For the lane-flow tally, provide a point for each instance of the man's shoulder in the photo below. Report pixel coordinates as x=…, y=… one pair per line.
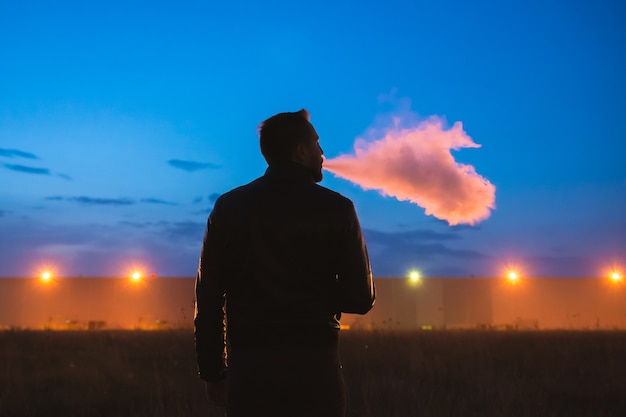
x=259, y=186
x=240, y=191
x=332, y=201
x=234, y=195
x=331, y=195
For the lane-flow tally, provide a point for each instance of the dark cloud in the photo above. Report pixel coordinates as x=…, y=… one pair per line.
x=213, y=197
x=171, y=230
x=190, y=232
x=203, y=212
x=432, y=259
x=456, y=227
x=395, y=253
x=109, y=201
x=390, y=238
x=191, y=166
x=172, y=248
x=27, y=170
x=157, y=201
x=100, y=249
x=12, y=153
x=560, y=265
x=94, y=200
x=136, y=225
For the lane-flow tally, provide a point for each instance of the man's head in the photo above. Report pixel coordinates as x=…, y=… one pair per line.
x=291, y=137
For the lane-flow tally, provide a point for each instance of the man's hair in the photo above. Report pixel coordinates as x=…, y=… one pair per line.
x=280, y=134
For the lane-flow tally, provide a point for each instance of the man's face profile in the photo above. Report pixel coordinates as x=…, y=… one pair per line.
x=310, y=153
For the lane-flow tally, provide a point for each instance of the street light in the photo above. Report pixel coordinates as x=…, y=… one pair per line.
x=513, y=277
x=616, y=277
x=46, y=276
x=415, y=277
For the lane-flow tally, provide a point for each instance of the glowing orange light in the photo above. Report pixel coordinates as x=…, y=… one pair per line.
x=136, y=276
x=46, y=276
x=415, y=276
x=616, y=276
x=513, y=276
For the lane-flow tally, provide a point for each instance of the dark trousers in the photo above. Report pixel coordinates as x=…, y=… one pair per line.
x=293, y=381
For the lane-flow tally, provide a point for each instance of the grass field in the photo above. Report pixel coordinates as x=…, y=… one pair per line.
x=454, y=373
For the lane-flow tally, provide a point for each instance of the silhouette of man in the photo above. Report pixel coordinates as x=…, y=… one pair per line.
x=282, y=258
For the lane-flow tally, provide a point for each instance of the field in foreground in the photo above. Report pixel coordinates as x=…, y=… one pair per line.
x=454, y=373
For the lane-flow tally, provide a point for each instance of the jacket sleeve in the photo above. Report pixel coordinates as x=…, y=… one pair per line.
x=356, y=291
x=209, y=318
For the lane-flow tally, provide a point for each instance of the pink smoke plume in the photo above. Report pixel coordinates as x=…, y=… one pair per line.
x=416, y=165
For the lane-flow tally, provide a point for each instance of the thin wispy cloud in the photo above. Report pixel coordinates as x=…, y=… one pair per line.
x=157, y=201
x=93, y=200
x=64, y=176
x=16, y=153
x=27, y=170
x=191, y=166
x=203, y=212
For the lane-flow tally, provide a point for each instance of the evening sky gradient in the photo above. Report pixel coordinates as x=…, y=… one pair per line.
x=121, y=122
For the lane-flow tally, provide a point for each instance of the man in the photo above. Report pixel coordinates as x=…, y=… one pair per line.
x=282, y=258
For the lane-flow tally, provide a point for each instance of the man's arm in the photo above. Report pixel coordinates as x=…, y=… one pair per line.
x=355, y=284
x=209, y=323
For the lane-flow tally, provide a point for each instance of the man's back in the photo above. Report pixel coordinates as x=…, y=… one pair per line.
x=281, y=243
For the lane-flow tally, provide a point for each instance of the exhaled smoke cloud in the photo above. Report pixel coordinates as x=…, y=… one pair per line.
x=416, y=165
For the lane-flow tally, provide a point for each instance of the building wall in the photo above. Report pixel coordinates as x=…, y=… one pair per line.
x=542, y=303
x=577, y=303
x=113, y=302
x=531, y=303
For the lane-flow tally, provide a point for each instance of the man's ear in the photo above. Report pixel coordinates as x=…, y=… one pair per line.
x=299, y=152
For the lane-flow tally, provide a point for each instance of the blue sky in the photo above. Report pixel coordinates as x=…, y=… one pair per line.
x=120, y=123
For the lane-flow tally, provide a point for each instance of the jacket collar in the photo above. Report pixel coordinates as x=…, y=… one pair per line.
x=289, y=170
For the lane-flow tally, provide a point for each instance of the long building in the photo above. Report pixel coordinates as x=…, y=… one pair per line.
x=429, y=303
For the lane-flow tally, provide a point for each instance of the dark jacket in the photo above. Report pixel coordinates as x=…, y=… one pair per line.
x=288, y=257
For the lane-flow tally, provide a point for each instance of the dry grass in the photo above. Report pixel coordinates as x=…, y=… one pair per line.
x=470, y=373
x=460, y=373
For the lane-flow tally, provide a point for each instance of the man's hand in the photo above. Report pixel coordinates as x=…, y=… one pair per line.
x=216, y=393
